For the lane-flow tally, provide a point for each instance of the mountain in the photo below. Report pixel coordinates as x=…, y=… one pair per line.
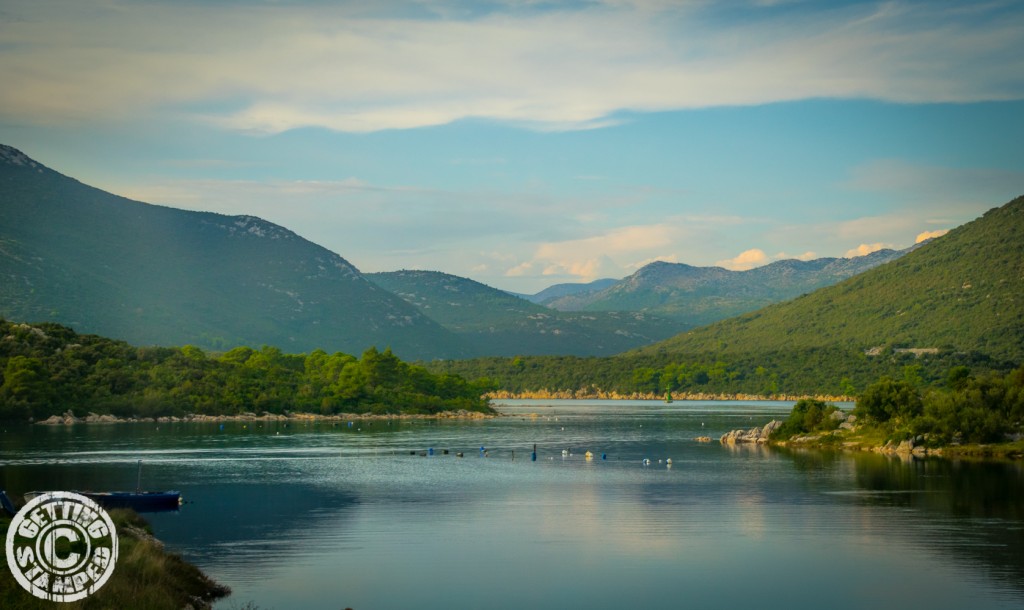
x=696, y=296
x=558, y=291
x=496, y=323
x=963, y=292
x=148, y=274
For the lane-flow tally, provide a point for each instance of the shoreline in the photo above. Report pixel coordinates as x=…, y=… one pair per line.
x=69, y=418
x=602, y=395
x=848, y=440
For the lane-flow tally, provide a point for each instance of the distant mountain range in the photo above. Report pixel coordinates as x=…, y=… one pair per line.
x=961, y=292
x=147, y=274
x=695, y=296
x=496, y=323
x=552, y=293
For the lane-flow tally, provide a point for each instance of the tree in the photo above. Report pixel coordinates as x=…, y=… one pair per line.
x=888, y=400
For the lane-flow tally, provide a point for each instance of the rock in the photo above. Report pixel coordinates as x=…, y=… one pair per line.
x=754, y=435
x=770, y=427
x=838, y=416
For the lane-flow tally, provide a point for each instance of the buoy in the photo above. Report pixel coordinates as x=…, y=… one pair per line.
x=604, y=456
x=459, y=454
x=588, y=455
x=430, y=451
x=646, y=462
x=565, y=452
x=669, y=461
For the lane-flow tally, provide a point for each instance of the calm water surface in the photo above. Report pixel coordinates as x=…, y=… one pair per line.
x=325, y=516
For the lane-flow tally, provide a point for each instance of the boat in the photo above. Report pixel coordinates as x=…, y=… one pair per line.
x=139, y=501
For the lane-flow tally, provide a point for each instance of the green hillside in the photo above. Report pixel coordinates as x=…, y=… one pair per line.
x=495, y=323
x=962, y=292
x=955, y=302
x=147, y=274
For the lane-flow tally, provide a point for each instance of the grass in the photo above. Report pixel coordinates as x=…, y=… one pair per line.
x=146, y=576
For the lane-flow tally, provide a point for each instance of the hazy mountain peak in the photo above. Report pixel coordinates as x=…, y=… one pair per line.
x=12, y=156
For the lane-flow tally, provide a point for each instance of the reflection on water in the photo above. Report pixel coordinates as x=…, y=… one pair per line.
x=325, y=516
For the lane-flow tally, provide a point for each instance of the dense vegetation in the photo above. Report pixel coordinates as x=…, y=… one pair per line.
x=819, y=371
x=969, y=409
x=808, y=416
x=47, y=369
x=964, y=409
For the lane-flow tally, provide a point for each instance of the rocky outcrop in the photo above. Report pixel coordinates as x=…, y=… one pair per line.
x=910, y=447
x=753, y=435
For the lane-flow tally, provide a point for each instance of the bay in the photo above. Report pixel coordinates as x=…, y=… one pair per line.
x=323, y=515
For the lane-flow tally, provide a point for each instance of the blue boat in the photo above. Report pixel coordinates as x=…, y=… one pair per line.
x=139, y=501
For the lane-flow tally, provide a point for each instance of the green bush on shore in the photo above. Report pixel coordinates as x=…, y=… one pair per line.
x=977, y=410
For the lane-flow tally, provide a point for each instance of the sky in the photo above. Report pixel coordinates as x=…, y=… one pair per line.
x=524, y=143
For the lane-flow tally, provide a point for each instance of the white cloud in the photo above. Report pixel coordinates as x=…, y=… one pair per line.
x=598, y=255
x=564, y=68
x=748, y=259
x=929, y=235
x=864, y=249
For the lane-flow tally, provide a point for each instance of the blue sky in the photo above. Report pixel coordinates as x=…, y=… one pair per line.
x=525, y=143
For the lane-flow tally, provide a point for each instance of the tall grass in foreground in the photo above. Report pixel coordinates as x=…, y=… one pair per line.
x=146, y=576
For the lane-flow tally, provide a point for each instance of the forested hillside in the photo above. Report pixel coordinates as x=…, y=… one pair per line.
x=955, y=302
x=154, y=275
x=963, y=292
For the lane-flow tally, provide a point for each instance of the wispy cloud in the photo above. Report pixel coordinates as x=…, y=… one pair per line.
x=355, y=69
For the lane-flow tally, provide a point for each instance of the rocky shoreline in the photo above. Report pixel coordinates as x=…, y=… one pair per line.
x=762, y=436
x=593, y=394
x=69, y=418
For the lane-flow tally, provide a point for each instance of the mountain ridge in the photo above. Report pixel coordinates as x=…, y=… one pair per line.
x=498, y=323
x=961, y=291
x=696, y=296
x=150, y=274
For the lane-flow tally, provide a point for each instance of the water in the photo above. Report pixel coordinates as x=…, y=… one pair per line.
x=324, y=516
